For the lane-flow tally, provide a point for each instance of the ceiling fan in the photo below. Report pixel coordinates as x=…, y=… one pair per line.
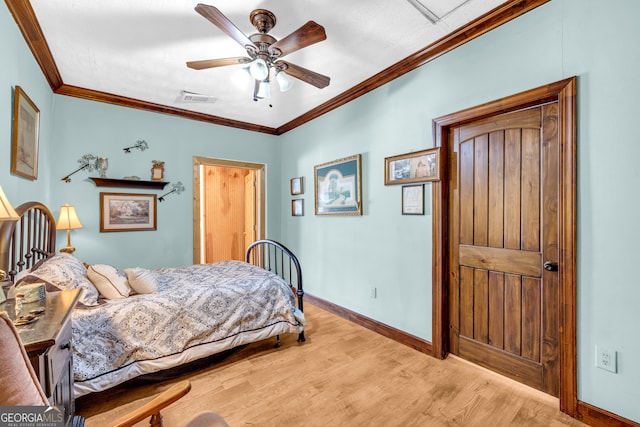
x=264, y=51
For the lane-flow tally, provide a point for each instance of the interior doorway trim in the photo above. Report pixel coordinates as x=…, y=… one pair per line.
x=564, y=92
x=198, y=169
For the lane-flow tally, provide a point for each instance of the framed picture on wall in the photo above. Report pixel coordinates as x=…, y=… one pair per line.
x=25, y=135
x=297, y=186
x=338, y=187
x=413, y=199
x=297, y=207
x=127, y=212
x=421, y=166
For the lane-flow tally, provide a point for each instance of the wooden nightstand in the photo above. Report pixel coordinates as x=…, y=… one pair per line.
x=49, y=346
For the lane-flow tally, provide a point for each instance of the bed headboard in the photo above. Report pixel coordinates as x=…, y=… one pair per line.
x=28, y=240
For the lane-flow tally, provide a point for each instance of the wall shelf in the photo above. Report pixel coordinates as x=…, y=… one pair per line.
x=128, y=183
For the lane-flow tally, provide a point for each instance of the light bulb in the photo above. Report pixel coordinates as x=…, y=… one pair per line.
x=259, y=69
x=284, y=81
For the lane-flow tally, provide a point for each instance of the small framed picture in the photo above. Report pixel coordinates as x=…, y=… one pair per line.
x=297, y=186
x=127, y=212
x=421, y=166
x=413, y=199
x=25, y=135
x=297, y=207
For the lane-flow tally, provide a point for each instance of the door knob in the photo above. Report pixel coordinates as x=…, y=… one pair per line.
x=550, y=266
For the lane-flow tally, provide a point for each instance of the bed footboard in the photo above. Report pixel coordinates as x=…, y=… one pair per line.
x=275, y=257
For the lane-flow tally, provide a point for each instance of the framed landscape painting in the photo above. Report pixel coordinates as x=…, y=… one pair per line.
x=127, y=212
x=338, y=187
x=25, y=135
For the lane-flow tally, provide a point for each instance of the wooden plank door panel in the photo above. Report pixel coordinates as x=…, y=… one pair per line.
x=530, y=190
x=512, y=189
x=496, y=190
x=504, y=308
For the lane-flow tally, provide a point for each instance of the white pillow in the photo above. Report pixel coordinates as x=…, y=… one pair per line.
x=141, y=280
x=64, y=271
x=110, y=282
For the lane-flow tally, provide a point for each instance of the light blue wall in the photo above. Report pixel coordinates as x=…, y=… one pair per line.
x=83, y=127
x=19, y=68
x=344, y=257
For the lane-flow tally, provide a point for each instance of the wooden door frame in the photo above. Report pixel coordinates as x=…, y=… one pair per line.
x=564, y=92
x=198, y=163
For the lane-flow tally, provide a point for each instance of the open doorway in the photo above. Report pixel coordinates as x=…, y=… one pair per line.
x=228, y=208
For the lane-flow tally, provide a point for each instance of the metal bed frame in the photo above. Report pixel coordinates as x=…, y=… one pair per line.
x=275, y=257
x=28, y=240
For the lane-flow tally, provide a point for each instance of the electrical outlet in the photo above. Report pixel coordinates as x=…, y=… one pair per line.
x=374, y=292
x=606, y=359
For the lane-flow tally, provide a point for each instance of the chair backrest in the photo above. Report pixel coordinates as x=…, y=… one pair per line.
x=20, y=386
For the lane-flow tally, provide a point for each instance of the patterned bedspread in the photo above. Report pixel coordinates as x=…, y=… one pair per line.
x=195, y=306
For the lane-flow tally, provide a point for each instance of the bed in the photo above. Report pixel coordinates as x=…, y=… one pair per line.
x=170, y=316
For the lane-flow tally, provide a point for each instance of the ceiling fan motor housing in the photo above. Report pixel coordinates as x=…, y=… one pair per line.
x=263, y=20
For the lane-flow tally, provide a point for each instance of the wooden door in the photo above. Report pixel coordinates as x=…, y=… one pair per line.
x=249, y=208
x=503, y=248
x=224, y=213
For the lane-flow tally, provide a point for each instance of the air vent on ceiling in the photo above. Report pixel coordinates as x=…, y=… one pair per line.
x=196, y=98
x=425, y=11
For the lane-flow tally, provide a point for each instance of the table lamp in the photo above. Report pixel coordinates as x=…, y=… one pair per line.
x=6, y=210
x=68, y=220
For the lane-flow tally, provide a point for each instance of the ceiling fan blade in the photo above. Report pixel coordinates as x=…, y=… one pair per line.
x=222, y=22
x=304, y=36
x=212, y=63
x=307, y=76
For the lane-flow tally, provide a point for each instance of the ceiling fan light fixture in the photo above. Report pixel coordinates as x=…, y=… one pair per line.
x=264, y=90
x=284, y=81
x=242, y=77
x=259, y=69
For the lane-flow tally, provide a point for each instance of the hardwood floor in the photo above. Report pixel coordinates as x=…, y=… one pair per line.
x=344, y=375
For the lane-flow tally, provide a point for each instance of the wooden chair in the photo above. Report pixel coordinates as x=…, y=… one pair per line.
x=20, y=386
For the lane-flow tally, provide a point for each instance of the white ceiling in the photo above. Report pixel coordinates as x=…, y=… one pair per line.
x=138, y=48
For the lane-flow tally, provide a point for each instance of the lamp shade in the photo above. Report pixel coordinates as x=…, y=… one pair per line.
x=259, y=69
x=264, y=90
x=68, y=219
x=6, y=210
x=284, y=81
x=242, y=78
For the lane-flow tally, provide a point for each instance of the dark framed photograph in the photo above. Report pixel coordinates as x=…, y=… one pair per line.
x=297, y=207
x=127, y=212
x=421, y=166
x=25, y=135
x=338, y=187
x=297, y=186
x=413, y=199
